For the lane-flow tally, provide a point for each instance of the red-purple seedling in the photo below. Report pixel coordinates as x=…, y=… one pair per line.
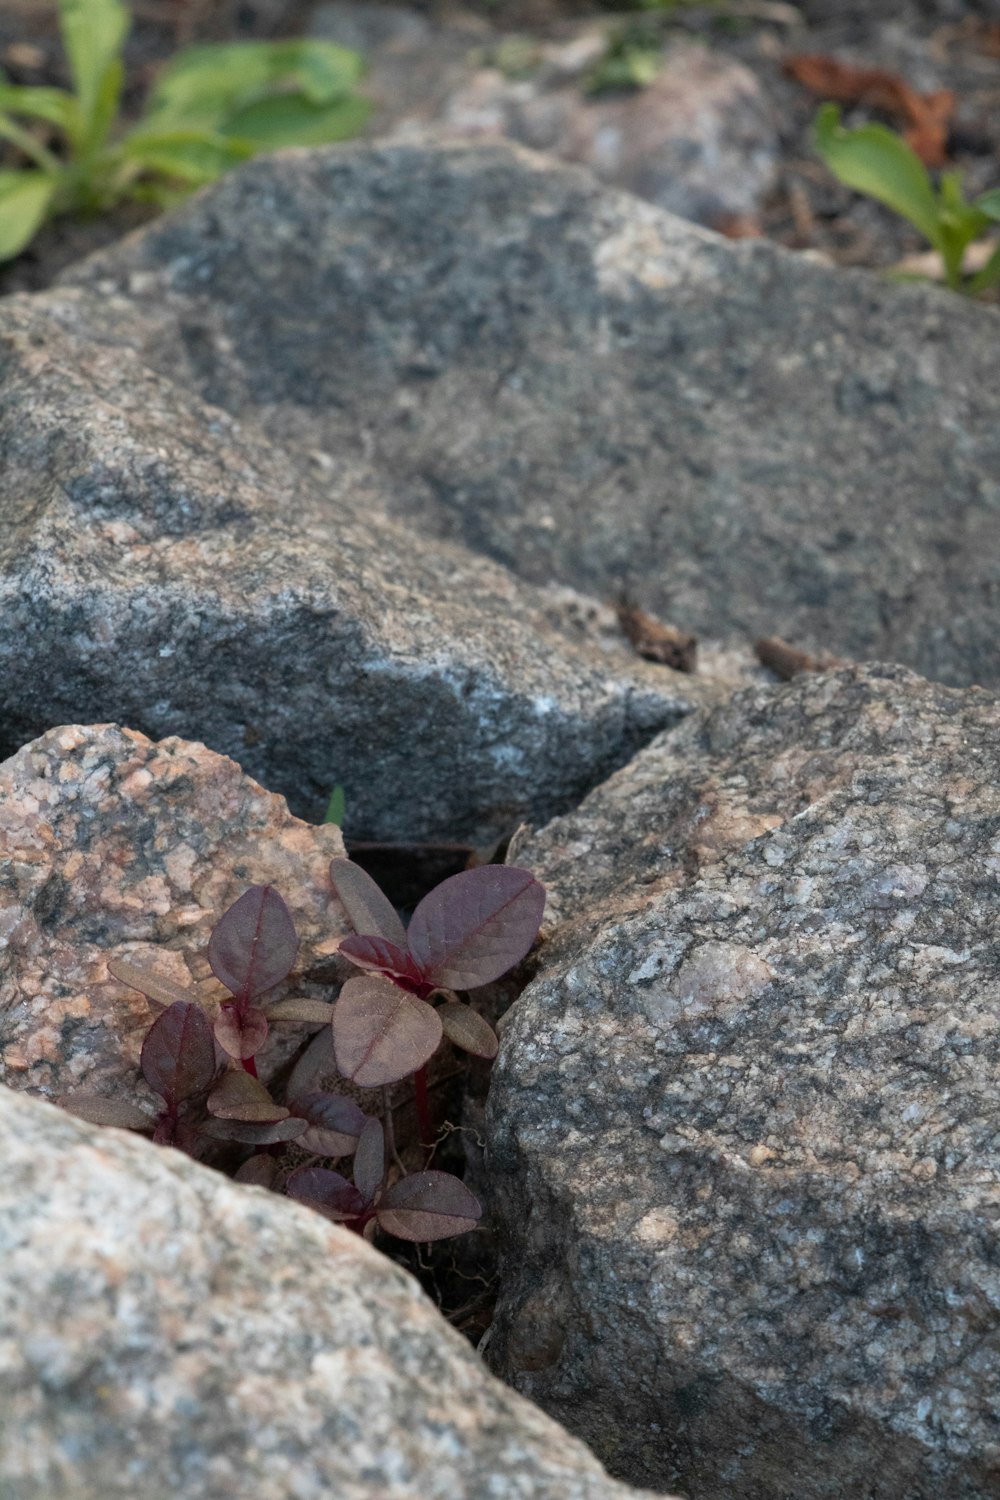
x=468, y=931
x=422, y=1206
x=252, y=948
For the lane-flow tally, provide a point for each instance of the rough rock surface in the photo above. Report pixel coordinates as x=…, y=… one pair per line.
x=114, y=847
x=745, y=1120
x=166, y=1333
x=586, y=388
x=163, y=567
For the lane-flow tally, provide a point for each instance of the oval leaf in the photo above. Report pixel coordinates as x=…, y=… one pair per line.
x=381, y=1033
x=466, y=1028
x=335, y=1123
x=178, y=1055
x=298, y=1010
x=254, y=1133
x=258, y=1171
x=873, y=159
x=238, y=1096
x=369, y=1160
x=476, y=925
x=240, y=1035
x=253, y=946
x=25, y=198
x=325, y=1191
x=98, y=1110
x=383, y=956
x=428, y=1206
x=370, y=912
x=316, y=1064
x=154, y=986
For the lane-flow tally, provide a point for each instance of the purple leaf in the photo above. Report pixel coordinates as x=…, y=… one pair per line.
x=238, y=1096
x=154, y=986
x=369, y=1160
x=384, y=957
x=368, y=910
x=298, y=1010
x=475, y=926
x=325, y=1191
x=240, y=1035
x=381, y=1033
x=253, y=945
x=466, y=1028
x=335, y=1123
x=258, y=1171
x=428, y=1206
x=255, y=1132
x=178, y=1055
x=101, y=1111
x=316, y=1063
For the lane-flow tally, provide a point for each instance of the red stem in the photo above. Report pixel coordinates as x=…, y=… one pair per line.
x=249, y=1066
x=422, y=1102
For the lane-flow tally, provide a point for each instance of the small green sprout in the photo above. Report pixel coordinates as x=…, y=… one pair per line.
x=873, y=159
x=212, y=107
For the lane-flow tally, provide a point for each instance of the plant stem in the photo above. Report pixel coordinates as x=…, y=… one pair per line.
x=390, y=1128
x=249, y=1065
x=26, y=142
x=422, y=1102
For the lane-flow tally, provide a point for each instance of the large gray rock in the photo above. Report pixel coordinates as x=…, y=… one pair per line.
x=166, y=1333
x=744, y=1123
x=164, y=567
x=585, y=388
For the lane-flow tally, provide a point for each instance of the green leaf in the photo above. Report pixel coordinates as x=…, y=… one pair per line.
x=24, y=203
x=336, y=807
x=206, y=84
x=290, y=120
x=989, y=203
x=987, y=276
x=876, y=161
x=54, y=106
x=93, y=33
x=321, y=71
x=190, y=156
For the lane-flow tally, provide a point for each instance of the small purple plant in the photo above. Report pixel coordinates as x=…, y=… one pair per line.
x=384, y=1027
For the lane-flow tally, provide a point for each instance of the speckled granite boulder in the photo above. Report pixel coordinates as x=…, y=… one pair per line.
x=114, y=847
x=744, y=1123
x=166, y=1333
x=163, y=567
x=586, y=388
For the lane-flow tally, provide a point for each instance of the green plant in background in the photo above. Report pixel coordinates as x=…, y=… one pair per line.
x=873, y=159
x=336, y=807
x=631, y=60
x=212, y=107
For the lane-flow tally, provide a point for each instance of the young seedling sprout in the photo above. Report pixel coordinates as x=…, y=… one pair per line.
x=467, y=932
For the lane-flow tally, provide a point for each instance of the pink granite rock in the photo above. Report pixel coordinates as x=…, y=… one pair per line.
x=112, y=845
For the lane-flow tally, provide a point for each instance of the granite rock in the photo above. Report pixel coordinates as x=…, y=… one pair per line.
x=114, y=847
x=166, y=1333
x=167, y=568
x=587, y=389
x=743, y=1125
